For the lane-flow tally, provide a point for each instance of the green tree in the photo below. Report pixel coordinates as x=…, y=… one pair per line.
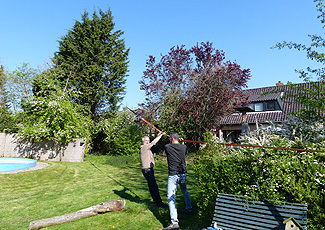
x=3, y=91
x=94, y=61
x=191, y=90
x=312, y=98
x=19, y=85
x=6, y=115
x=51, y=114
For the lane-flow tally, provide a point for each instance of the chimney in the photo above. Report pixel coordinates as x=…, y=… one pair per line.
x=279, y=83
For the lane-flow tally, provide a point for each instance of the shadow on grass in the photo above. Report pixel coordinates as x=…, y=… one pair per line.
x=161, y=214
x=187, y=222
x=127, y=194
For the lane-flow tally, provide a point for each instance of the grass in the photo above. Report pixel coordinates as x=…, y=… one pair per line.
x=65, y=187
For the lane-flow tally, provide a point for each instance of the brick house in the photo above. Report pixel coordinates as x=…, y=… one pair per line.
x=265, y=104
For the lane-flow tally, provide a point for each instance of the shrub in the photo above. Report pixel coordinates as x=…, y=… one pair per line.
x=276, y=175
x=303, y=131
x=55, y=118
x=120, y=134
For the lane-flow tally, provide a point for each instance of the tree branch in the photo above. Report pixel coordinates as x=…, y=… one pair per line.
x=110, y=206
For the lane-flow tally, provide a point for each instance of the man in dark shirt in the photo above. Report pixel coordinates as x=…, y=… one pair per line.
x=176, y=175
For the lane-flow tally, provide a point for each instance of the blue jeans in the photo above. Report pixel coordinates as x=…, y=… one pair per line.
x=171, y=194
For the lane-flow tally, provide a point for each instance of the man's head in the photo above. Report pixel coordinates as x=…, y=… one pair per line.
x=174, y=137
x=145, y=140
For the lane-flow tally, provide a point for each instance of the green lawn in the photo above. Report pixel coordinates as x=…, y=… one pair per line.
x=64, y=187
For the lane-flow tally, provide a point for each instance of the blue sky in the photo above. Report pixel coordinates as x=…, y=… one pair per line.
x=244, y=29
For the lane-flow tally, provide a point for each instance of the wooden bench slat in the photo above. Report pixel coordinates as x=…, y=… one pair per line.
x=234, y=198
x=261, y=208
x=231, y=226
x=248, y=220
x=264, y=207
x=253, y=210
x=234, y=223
x=254, y=215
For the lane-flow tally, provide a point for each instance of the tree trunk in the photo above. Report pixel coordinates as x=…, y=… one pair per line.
x=109, y=206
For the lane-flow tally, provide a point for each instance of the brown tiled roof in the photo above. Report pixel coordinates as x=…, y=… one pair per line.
x=266, y=94
x=266, y=97
x=252, y=117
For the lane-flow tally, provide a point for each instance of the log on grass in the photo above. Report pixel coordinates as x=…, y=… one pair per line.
x=109, y=206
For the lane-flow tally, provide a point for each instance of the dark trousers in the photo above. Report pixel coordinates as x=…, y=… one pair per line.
x=152, y=184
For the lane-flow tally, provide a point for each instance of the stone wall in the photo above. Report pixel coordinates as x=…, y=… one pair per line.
x=12, y=146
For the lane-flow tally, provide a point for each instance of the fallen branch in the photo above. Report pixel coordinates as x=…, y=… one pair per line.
x=109, y=206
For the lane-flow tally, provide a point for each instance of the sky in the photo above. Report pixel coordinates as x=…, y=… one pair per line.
x=244, y=29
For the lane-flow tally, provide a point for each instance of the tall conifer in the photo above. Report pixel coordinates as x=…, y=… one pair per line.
x=94, y=60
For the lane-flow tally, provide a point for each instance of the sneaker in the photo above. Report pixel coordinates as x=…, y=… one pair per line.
x=187, y=211
x=172, y=225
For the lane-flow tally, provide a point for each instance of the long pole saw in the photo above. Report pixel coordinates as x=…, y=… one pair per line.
x=229, y=144
x=146, y=121
x=140, y=117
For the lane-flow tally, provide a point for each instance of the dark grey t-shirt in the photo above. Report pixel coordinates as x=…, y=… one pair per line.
x=176, y=158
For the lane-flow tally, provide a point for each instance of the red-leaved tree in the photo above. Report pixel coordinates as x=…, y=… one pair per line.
x=189, y=91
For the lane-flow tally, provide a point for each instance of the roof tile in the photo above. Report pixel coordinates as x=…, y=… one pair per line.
x=266, y=94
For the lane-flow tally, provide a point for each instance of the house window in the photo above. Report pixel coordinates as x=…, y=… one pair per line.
x=266, y=106
x=270, y=105
x=258, y=107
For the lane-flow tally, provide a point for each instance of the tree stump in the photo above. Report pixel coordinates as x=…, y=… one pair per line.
x=109, y=206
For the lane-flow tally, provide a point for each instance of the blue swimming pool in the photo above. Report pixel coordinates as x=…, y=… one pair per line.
x=11, y=164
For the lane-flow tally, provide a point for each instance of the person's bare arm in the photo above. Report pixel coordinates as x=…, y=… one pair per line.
x=160, y=134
